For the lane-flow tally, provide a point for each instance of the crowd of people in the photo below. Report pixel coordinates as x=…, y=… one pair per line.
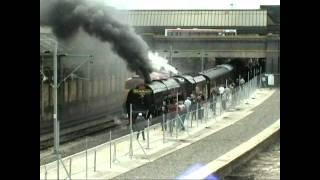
x=190, y=108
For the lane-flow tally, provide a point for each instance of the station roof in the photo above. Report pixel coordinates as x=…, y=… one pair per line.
x=198, y=18
x=273, y=14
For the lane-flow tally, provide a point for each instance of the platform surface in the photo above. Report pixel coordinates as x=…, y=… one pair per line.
x=204, y=142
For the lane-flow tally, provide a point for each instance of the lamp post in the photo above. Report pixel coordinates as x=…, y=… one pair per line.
x=201, y=54
x=55, y=102
x=170, y=55
x=55, y=95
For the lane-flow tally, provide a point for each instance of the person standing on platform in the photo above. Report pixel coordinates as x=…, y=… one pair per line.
x=140, y=125
x=199, y=106
x=193, y=107
x=227, y=92
x=213, y=103
x=264, y=81
x=173, y=114
x=221, y=93
x=182, y=114
x=165, y=113
x=242, y=81
x=232, y=93
x=187, y=104
x=224, y=100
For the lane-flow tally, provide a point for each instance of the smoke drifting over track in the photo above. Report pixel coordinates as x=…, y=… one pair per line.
x=66, y=17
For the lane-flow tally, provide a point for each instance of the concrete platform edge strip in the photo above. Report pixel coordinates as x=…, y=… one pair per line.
x=230, y=160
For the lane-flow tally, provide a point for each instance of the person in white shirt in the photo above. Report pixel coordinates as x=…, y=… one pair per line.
x=264, y=80
x=187, y=104
x=221, y=90
x=222, y=96
x=242, y=81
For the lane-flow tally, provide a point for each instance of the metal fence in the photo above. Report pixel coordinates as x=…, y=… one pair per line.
x=172, y=127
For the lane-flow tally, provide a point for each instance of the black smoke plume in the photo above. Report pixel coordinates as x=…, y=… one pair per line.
x=66, y=17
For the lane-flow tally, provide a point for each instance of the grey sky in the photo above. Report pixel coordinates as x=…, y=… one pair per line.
x=189, y=4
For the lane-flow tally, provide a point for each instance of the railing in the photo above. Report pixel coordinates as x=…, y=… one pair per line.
x=175, y=126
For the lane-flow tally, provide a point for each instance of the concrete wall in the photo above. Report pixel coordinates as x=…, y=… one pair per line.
x=273, y=56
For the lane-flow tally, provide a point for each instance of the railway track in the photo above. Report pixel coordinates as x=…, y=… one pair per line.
x=74, y=130
x=71, y=143
x=73, y=140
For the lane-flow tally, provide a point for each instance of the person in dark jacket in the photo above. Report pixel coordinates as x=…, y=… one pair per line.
x=164, y=109
x=200, y=106
x=213, y=101
x=140, y=125
x=193, y=107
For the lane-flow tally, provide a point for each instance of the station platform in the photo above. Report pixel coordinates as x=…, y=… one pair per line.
x=167, y=156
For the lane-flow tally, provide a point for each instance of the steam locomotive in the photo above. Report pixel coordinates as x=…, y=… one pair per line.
x=148, y=98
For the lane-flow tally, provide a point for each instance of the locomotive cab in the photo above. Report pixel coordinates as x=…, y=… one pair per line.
x=141, y=100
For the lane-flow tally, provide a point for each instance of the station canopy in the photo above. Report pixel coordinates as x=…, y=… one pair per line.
x=197, y=18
